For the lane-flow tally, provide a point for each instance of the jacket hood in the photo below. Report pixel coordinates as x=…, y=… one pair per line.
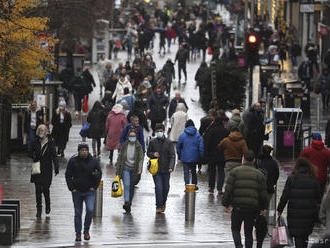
x=181, y=107
x=235, y=136
x=190, y=130
x=317, y=144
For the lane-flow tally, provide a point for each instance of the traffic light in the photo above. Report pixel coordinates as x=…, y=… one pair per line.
x=252, y=49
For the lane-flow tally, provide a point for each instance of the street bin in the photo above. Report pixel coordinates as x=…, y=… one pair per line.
x=98, y=206
x=7, y=228
x=190, y=200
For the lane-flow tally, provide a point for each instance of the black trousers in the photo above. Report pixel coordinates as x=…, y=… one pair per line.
x=247, y=216
x=182, y=67
x=42, y=189
x=301, y=242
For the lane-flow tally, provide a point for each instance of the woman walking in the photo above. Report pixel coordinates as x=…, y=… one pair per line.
x=61, y=127
x=96, y=118
x=178, y=121
x=302, y=194
x=44, y=151
x=129, y=165
x=115, y=123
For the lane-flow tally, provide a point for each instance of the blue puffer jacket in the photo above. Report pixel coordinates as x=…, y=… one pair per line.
x=190, y=147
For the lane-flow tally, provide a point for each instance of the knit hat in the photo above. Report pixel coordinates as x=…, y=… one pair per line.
x=316, y=136
x=235, y=112
x=82, y=146
x=189, y=123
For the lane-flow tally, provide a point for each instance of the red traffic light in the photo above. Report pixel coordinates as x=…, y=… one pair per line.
x=252, y=39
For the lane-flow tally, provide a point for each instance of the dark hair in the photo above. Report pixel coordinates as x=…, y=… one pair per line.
x=132, y=130
x=249, y=156
x=97, y=105
x=126, y=90
x=160, y=126
x=133, y=117
x=303, y=166
x=190, y=123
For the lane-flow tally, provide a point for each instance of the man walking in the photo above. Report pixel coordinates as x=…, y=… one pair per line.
x=163, y=149
x=83, y=175
x=182, y=56
x=246, y=193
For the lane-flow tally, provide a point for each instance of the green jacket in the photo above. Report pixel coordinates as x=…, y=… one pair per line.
x=246, y=188
x=139, y=158
x=236, y=122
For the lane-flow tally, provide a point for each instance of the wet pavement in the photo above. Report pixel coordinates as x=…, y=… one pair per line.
x=143, y=228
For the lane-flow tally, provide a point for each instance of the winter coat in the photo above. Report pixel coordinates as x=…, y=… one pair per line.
x=178, y=121
x=139, y=134
x=139, y=158
x=324, y=81
x=27, y=119
x=174, y=104
x=212, y=138
x=83, y=173
x=233, y=146
x=48, y=162
x=165, y=148
x=190, y=147
x=130, y=100
x=157, y=105
x=83, y=84
x=235, y=122
x=302, y=194
x=200, y=40
x=97, y=124
x=169, y=72
x=182, y=56
x=246, y=188
x=115, y=123
x=206, y=123
x=61, y=131
x=270, y=167
x=324, y=214
x=111, y=84
x=119, y=91
x=199, y=75
x=305, y=70
x=319, y=156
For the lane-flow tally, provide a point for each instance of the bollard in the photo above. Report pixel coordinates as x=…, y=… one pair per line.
x=190, y=199
x=98, y=206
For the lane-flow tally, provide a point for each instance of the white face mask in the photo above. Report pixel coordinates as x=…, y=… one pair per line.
x=41, y=135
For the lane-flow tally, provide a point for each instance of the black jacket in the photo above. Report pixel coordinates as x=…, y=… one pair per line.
x=182, y=56
x=173, y=104
x=27, y=119
x=61, y=131
x=48, y=161
x=270, y=166
x=212, y=138
x=97, y=120
x=166, y=152
x=83, y=174
x=302, y=193
x=157, y=105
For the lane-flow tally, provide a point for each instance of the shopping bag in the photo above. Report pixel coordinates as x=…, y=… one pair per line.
x=84, y=130
x=116, y=189
x=153, y=166
x=85, y=104
x=283, y=233
x=209, y=51
x=275, y=242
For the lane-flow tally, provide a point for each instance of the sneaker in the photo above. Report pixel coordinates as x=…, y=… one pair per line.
x=87, y=236
x=211, y=190
x=78, y=238
x=38, y=215
x=163, y=208
x=47, y=211
x=159, y=210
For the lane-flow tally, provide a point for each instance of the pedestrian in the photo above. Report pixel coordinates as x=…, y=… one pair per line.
x=269, y=167
x=121, y=85
x=139, y=112
x=182, y=56
x=107, y=73
x=169, y=74
x=215, y=158
x=128, y=98
x=169, y=34
x=102, y=67
x=324, y=81
x=138, y=129
x=190, y=150
x=319, y=156
x=33, y=118
x=129, y=165
x=327, y=59
x=199, y=76
x=111, y=83
x=236, y=122
x=233, y=147
x=44, y=152
x=295, y=53
x=162, y=149
x=83, y=175
x=306, y=73
x=157, y=105
x=174, y=102
x=96, y=117
x=302, y=194
x=249, y=182
x=178, y=121
x=62, y=124
x=115, y=123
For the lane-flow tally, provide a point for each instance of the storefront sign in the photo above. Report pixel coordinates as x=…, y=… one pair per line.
x=306, y=8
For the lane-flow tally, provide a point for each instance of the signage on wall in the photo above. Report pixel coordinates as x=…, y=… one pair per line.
x=307, y=8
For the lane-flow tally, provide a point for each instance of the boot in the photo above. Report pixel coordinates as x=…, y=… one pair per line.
x=39, y=211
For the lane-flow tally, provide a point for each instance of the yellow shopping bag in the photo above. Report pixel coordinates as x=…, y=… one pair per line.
x=153, y=166
x=117, y=190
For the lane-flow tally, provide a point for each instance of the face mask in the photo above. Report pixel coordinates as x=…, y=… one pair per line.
x=41, y=135
x=132, y=139
x=159, y=135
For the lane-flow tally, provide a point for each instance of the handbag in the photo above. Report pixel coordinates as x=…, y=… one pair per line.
x=35, y=170
x=84, y=130
x=280, y=235
x=153, y=166
x=116, y=189
x=85, y=104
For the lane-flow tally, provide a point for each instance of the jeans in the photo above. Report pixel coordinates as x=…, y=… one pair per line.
x=301, y=242
x=98, y=141
x=162, y=187
x=42, y=189
x=31, y=138
x=212, y=175
x=183, y=68
x=229, y=165
x=169, y=43
x=129, y=176
x=187, y=167
x=238, y=215
x=78, y=199
x=294, y=60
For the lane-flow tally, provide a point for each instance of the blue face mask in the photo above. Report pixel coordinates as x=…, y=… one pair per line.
x=159, y=135
x=132, y=139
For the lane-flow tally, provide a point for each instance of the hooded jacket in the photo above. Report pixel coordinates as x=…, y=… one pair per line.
x=235, y=122
x=319, y=156
x=233, y=146
x=119, y=91
x=190, y=147
x=178, y=121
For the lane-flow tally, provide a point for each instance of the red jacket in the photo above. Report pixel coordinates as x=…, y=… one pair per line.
x=319, y=156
